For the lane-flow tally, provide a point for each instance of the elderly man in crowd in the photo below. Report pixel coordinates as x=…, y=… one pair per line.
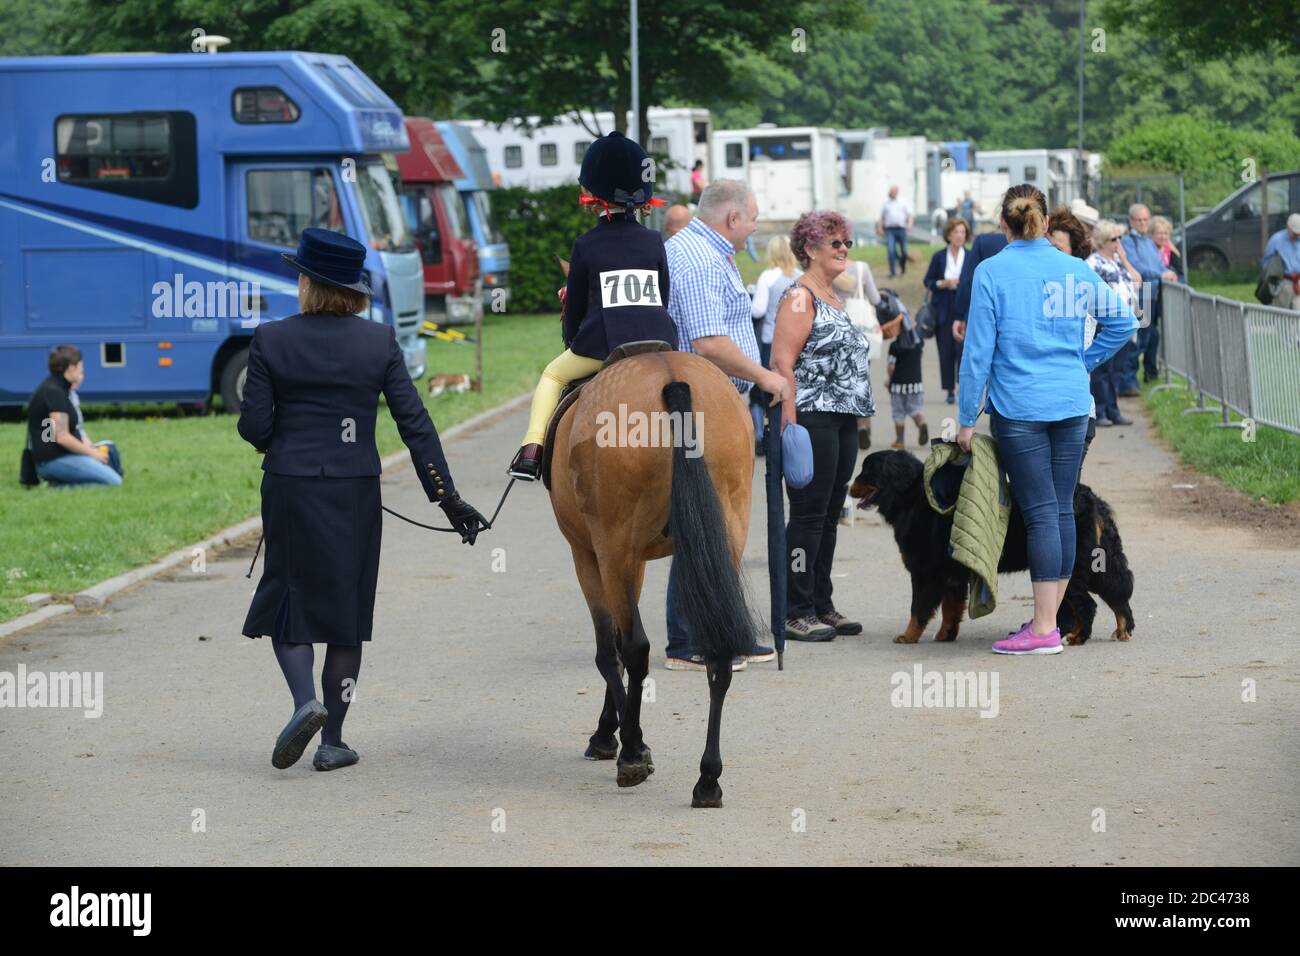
x=1144, y=256
x=708, y=301
x=1285, y=244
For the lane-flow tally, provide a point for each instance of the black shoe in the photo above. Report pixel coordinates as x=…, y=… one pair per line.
x=329, y=757
x=864, y=439
x=1104, y=422
x=923, y=437
x=527, y=465
x=951, y=399
x=760, y=449
x=306, y=721
x=1121, y=420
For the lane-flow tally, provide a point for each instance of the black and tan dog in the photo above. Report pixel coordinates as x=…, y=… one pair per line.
x=892, y=482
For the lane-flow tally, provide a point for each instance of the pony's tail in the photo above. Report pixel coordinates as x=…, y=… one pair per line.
x=711, y=597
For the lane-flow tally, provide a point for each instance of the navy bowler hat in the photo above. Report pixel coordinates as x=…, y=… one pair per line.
x=332, y=258
x=612, y=169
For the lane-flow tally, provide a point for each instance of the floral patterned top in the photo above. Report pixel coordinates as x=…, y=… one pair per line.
x=831, y=373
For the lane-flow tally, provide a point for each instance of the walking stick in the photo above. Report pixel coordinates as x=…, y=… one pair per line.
x=776, y=558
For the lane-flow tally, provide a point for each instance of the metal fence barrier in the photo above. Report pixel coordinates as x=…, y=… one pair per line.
x=1244, y=356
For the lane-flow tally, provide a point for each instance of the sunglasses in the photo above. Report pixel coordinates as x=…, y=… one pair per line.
x=837, y=243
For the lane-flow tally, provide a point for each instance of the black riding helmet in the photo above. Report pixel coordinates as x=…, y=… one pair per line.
x=617, y=170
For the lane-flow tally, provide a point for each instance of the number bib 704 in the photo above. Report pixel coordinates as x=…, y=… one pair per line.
x=620, y=287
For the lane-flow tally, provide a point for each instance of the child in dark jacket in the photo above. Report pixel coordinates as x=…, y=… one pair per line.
x=906, y=394
x=617, y=289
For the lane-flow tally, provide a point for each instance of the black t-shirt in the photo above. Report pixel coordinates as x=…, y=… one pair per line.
x=907, y=368
x=52, y=395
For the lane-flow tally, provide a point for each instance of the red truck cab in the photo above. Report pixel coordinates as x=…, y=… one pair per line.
x=436, y=215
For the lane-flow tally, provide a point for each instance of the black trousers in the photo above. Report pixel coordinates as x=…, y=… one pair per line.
x=815, y=512
x=949, y=355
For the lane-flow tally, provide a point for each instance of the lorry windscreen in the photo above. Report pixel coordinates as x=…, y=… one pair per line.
x=455, y=211
x=385, y=225
x=483, y=204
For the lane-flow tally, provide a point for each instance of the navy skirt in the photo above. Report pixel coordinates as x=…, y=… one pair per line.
x=321, y=560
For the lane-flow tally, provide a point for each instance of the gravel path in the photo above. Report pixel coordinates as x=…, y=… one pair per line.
x=478, y=694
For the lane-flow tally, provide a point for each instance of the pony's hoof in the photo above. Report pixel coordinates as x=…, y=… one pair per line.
x=599, y=750
x=706, y=797
x=633, y=772
x=1121, y=635
x=942, y=637
x=904, y=639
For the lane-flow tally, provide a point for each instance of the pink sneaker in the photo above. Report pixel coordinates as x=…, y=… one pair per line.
x=1025, y=641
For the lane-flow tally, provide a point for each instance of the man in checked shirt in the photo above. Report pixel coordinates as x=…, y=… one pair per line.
x=708, y=302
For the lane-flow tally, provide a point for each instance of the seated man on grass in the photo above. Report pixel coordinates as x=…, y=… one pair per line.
x=61, y=449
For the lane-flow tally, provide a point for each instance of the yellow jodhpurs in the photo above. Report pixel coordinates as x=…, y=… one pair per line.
x=563, y=369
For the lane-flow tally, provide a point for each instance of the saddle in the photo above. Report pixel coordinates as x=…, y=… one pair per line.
x=574, y=389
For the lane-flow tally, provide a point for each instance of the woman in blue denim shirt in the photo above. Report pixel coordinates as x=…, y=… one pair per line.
x=1024, y=341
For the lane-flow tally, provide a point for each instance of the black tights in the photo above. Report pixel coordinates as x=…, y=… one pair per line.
x=342, y=663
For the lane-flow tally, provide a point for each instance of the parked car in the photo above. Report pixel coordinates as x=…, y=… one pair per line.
x=1227, y=237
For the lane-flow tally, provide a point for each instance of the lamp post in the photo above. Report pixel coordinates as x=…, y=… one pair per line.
x=634, y=127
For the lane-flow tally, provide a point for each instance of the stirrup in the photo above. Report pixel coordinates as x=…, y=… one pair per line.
x=526, y=467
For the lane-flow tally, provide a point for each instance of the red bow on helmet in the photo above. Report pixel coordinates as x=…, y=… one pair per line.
x=589, y=200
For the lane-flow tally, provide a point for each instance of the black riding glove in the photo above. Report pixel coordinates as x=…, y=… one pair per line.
x=464, y=517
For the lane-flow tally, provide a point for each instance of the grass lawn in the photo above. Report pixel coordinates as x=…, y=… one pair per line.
x=1268, y=467
x=1231, y=285
x=188, y=476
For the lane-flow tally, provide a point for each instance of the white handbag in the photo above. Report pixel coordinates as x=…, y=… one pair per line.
x=862, y=314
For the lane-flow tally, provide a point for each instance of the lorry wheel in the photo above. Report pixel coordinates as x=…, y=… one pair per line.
x=1208, y=259
x=232, y=381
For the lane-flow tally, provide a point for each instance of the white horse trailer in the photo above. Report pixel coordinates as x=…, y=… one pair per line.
x=1054, y=171
x=792, y=170
x=523, y=153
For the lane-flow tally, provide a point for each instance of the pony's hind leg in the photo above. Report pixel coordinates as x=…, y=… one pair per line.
x=634, y=761
x=602, y=745
x=708, y=792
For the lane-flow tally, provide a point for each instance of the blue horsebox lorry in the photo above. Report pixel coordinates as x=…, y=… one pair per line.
x=475, y=189
x=145, y=201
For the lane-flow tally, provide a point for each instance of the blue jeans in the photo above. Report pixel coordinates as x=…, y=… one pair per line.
x=1126, y=364
x=1148, y=347
x=1104, y=383
x=680, y=643
x=896, y=236
x=1042, y=461
x=74, y=469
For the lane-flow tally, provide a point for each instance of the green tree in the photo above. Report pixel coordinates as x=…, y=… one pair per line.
x=1214, y=156
x=552, y=59
x=1200, y=30
x=392, y=41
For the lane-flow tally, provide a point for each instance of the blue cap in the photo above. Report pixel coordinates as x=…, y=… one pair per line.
x=796, y=456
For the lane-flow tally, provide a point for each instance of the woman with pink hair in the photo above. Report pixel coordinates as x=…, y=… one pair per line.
x=824, y=357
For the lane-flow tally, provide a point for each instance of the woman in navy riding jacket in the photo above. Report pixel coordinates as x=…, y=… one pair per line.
x=942, y=279
x=310, y=404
